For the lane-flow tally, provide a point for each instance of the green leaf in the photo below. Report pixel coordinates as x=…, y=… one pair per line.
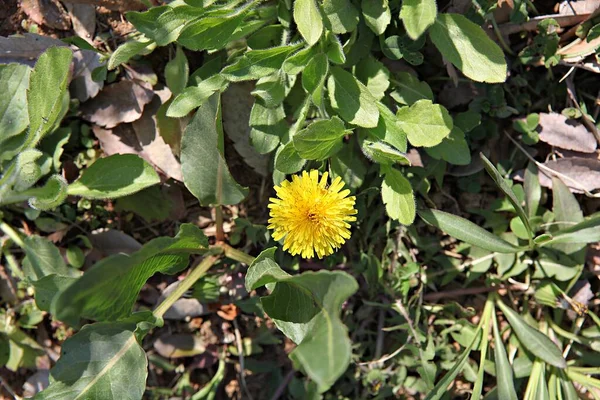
x=308, y=20
x=398, y=197
x=587, y=231
x=47, y=89
x=108, y=290
x=454, y=148
x=374, y=75
x=193, y=96
x=287, y=159
x=388, y=128
x=441, y=388
x=392, y=47
x=295, y=63
x=382, y=153
x=114, y=176
x=43, y=258
x=349, y=165
x=533, y=190
x=468, y=47
x=177, y=72
x=161, y=24
x=14, y=80
x=51, y=195
x=409, y=89
x=340, y=15
x=313, y=77
x=306, y=309
x=417, y=16
x=128, y=50
x=271, y=90
x=205, y=172
x=532, y=339
x=268, y=127
x=351, y=99
x=377, y=15
x=320, y=140
x=426, y=124
x=212, y=32
x=103, y=360
x=507, y=190
x=465, y=230
x=504, y=372
x=567, y=212
x=48, y=287
x=255, y=64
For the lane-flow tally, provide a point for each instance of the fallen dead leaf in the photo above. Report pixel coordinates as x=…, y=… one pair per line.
x=578, y=7
x=557, y=130
x=47, y=12
x=82, y=85
x=584, y=171
x=179, y=345
x=25, y=49
x=83, y=18
x=117, y=5
x=183, y=308
x=120, y=102
x=112, y=241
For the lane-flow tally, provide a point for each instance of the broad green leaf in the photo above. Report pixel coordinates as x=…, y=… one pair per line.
x=374, y=75
x=212, y=32
x=43, y=258
x=49, y=196
x=271, y=90
x=205, y=171
x=128, y=50
x=441, y=388
x=532, y=339
x=382, y=153
x=426, y=124
x=392, y=47
x=102, y=361
x=48, y=287
x=334, y=49
x=351, y=99
x=161, y=24
x=587, y=231
x=313, y=77
x=349, y=165
x=321, y=139
x=287, y=159
x=454, y=148
x=306, y=309
x=377, y=15
x=193, y=96
x=14, y=80
x=507, y=190
x=295, y=63
x=340, y=15
x=114, y=176
x=468, y=47
x=255, y=64
x=268, y=127
x=308, y=20
x=398, y=197
x=108, y=290
x=567, y=213
x=467, y=231
x=533, y=190
x=409, y=89
x=417, y=16
x=47, y=90
x=177, y=72
x=388, y=128
x=504, y=373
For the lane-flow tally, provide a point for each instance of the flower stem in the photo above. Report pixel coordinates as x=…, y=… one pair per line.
x=235, y=254
x=185, y=285
x=12, y=234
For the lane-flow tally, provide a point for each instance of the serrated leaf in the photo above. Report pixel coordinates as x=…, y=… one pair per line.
x=467, y=231
x=205, y=171
x=255, y=64
x=351, y=99
x=103, y=360
x=306, y=309
x=308, y=19
x=377, y=15
x=417, y=16
x=47, y=90
x=320, y=140
x=532, y=339
x=468, y=47
x=398, y=197
x=108, y=290
x=114, y=176
x=426, y=124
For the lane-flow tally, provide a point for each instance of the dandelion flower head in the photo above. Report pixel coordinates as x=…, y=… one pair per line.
x=310, y=216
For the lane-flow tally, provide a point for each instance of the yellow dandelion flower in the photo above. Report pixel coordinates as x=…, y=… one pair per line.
x=311, y=216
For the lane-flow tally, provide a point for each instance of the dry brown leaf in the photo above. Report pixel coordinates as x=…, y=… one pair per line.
x=25, y=49
x=179, y=345
x=569, y=134
x=183, y=308
x=578, y=7
x=584, y=171
x=82, y=85
x=47, y=12
x=120, y=102
x=83, y=18
x=112, y=241
x=117, y=5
